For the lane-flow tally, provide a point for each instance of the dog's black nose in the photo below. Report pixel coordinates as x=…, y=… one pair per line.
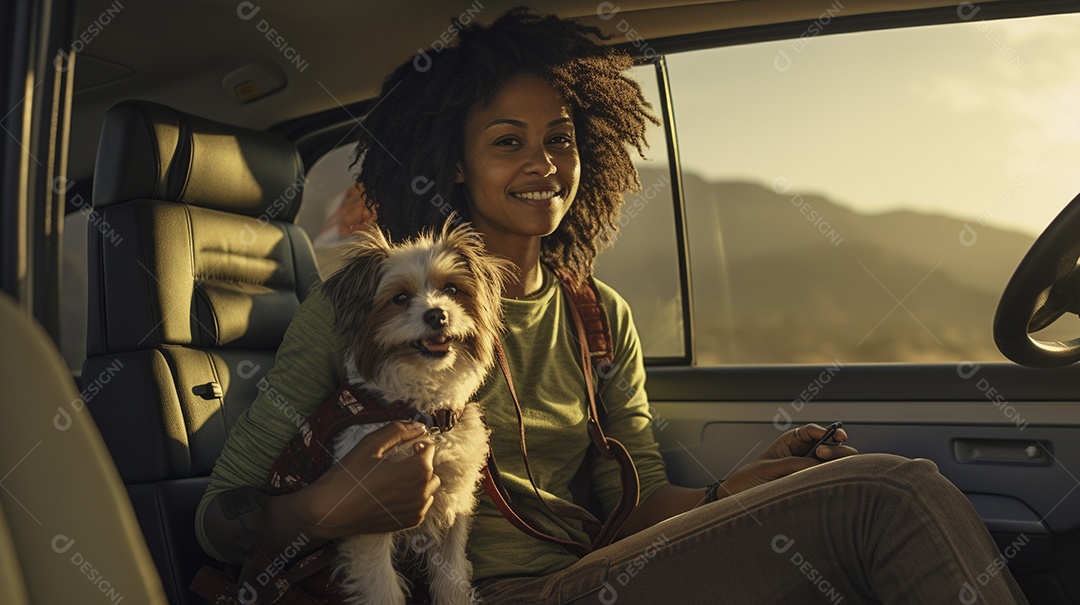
x=436, y=318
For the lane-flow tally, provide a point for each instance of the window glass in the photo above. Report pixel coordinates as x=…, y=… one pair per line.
x=328, y=208
x=865, y=197
x=643, y=265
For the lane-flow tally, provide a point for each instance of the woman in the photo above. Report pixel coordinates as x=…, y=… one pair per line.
x=524, y=129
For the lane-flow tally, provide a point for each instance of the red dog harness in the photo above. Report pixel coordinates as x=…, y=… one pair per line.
x=307, y=455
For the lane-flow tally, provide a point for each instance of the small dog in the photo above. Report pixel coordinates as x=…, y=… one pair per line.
x=419, y=321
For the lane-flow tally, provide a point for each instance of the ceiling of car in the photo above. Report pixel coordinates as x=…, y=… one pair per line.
x=333, y=52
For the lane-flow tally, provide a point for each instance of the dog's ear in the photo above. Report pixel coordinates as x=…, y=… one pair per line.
x=352, y=287
x=491, y=272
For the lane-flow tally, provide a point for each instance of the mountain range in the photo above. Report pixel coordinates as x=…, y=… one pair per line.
x=783, y=276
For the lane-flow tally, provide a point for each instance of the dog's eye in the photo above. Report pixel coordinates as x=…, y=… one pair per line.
x=450, y=289
x=401, y=299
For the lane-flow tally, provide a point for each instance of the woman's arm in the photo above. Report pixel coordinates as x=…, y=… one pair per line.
x=363, y=494
x=785, y=456
x=665, y=502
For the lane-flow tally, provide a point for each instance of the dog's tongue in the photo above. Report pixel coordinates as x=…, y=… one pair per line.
x=436, y=345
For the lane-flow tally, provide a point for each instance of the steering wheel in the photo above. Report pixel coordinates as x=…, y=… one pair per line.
x=1045, y=286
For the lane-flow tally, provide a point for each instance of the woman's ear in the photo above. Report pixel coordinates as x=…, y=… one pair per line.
x=459, y=174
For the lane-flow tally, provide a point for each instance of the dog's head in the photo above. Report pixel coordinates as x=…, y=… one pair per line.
x=420, y=315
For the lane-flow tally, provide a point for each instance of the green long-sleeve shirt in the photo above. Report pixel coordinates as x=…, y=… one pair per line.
x=541, y=351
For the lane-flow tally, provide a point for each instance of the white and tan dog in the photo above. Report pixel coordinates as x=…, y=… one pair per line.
x=419, y=321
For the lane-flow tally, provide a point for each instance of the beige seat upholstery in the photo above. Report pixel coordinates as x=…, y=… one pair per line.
x=68, y=533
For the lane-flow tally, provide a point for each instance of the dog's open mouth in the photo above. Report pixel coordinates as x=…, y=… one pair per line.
x=435, y=346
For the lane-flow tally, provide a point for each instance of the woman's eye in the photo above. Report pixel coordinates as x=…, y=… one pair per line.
x=561, y=140
x=401, y=299
x=507, y=142
x=450, y=289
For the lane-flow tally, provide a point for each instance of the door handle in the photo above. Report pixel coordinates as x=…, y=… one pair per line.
x=1003, y=451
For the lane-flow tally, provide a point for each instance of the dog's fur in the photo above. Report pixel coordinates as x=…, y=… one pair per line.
x=399, y=345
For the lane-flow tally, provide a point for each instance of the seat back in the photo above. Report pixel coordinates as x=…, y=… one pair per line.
x=195, y=271
x=67, y=530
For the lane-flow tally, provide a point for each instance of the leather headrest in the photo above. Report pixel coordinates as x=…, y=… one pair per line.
x=150, y=151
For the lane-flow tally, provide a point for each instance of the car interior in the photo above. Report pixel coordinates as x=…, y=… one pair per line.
x=183, y=144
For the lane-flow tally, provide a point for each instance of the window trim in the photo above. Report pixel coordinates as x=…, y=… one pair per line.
x=840, y=24
x=667, y=114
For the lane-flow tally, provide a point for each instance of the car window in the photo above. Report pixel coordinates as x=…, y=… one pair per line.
x=865, y=197
x=322, y=215
x=643, y=265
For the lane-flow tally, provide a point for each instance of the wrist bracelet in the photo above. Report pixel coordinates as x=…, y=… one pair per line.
x=710, y=492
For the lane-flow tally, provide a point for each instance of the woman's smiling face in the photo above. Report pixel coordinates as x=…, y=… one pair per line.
x=521, y=167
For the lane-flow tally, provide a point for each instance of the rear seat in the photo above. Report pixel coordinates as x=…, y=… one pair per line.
x=190, y=293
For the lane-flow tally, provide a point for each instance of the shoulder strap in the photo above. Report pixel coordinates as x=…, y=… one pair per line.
x=585, y=298
x=595, y=349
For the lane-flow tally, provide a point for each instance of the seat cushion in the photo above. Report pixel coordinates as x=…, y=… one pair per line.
x=190, y=276
x=150, y=151
x=71, y=524
x=155, y=413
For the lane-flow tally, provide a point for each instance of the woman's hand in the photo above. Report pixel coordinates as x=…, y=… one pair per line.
x=366, y=492
x=785, y=456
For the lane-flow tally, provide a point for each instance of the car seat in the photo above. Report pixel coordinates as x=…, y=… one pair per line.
x=195, y=271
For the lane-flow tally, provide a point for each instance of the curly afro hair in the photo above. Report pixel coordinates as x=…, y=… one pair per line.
x=410, y=145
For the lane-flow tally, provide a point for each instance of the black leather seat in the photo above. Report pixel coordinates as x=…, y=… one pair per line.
x=195, y=271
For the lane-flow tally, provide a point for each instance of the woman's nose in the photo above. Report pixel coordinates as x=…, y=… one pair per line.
x=540, y=162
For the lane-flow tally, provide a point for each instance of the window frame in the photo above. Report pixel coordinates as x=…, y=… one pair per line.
x=666, y=113
x=789, y=31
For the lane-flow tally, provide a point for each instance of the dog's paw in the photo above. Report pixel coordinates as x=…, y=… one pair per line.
x=408, y=449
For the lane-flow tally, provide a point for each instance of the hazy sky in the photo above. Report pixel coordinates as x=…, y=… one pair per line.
x=969, y=120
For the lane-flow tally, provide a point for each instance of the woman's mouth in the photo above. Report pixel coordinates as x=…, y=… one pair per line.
x=541, y=197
